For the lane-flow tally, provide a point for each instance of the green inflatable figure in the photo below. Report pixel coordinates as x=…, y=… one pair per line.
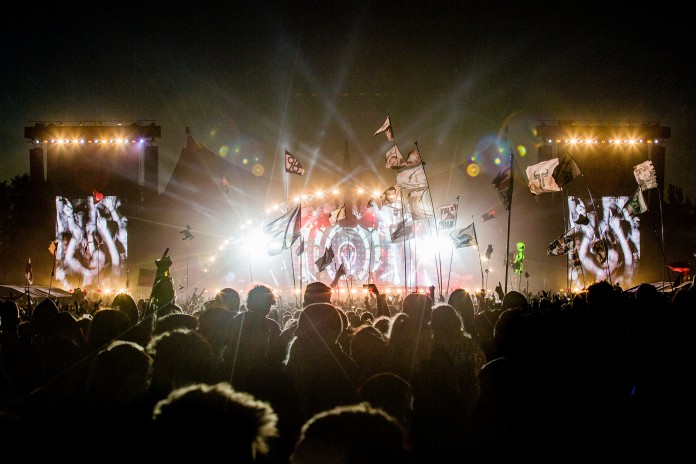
x=518, y=263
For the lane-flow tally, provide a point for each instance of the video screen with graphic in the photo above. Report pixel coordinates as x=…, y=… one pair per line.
x=91, y=248
x=607, y=241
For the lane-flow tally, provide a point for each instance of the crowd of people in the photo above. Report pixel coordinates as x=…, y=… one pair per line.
x=599, y=374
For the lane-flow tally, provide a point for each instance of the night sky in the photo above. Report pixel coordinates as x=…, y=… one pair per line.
x=251, y=79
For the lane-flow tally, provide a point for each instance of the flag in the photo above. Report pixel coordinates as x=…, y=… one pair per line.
x=390, y=196
x=402, y=231
x=283, y=232
x=420, y=205
x=337, y=215
x=339, y=273
x=387, y=129
x=146, y=277
x=636, y=204
x=562, y=244
x=225, y=184
x=394, y=158
x=645, y=175
x=326, y=259
x=28, y=273
x=487, y=216
x=97, y=196
x=52, y=247
x=600, y=250
x=566, y=170
x=292, y=164
x=300, y=249
x=448, y=216
x=464, y=237
x=503, y=185
x=412, y=178
x=540, y=177
x=396, y=161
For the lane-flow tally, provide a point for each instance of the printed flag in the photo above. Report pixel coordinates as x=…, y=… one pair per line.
x=540, y=177
x=97, y=196
x=292, y=164
x=28, y=273
x=387, y=129
x=402, y=231
x=396, y=161
x=488, y=215
x=636, y=204
x=645, y=175
x=412, y=178
x=562, y=244
x=339, y=273
x=394, y=158
x=566, y=171
x=337, y=215
x=503, y=185
x=52, y=247
x=326, y=259
x=390, y=195
x=448, y=216
x=464, y=237
x=420, y=205
x=284, y=231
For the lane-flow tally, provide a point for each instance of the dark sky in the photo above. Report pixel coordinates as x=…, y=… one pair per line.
x=259, y=77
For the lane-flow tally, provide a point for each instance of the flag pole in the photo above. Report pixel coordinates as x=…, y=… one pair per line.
x=512, y=180
x=449, y=274
x=478, y=249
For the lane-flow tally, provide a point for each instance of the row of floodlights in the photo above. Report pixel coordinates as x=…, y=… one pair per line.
x=84, y=141
x=605, y=141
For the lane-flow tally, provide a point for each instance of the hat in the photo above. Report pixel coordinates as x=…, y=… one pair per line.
x=317, y=292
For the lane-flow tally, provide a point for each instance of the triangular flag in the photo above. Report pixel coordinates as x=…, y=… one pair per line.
x=464, y=237
x=636, y=204
x=645, y=175
x=566, y=170
x=339, y=273
x=97, y=196
x=337, y=215
x=326, y=259
x=284, y=231
x=52, y=247
x=387, y=129
x=28, y=273
x=292, y=164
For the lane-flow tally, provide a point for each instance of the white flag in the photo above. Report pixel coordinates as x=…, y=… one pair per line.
x=292, y=164
x=645, y=175
x=420, y=204
x=387, y=129
x=394, y=158
x=337, y=215
x=540, y=177
x=412, y=178
x=448, y=216
x=464, y=237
